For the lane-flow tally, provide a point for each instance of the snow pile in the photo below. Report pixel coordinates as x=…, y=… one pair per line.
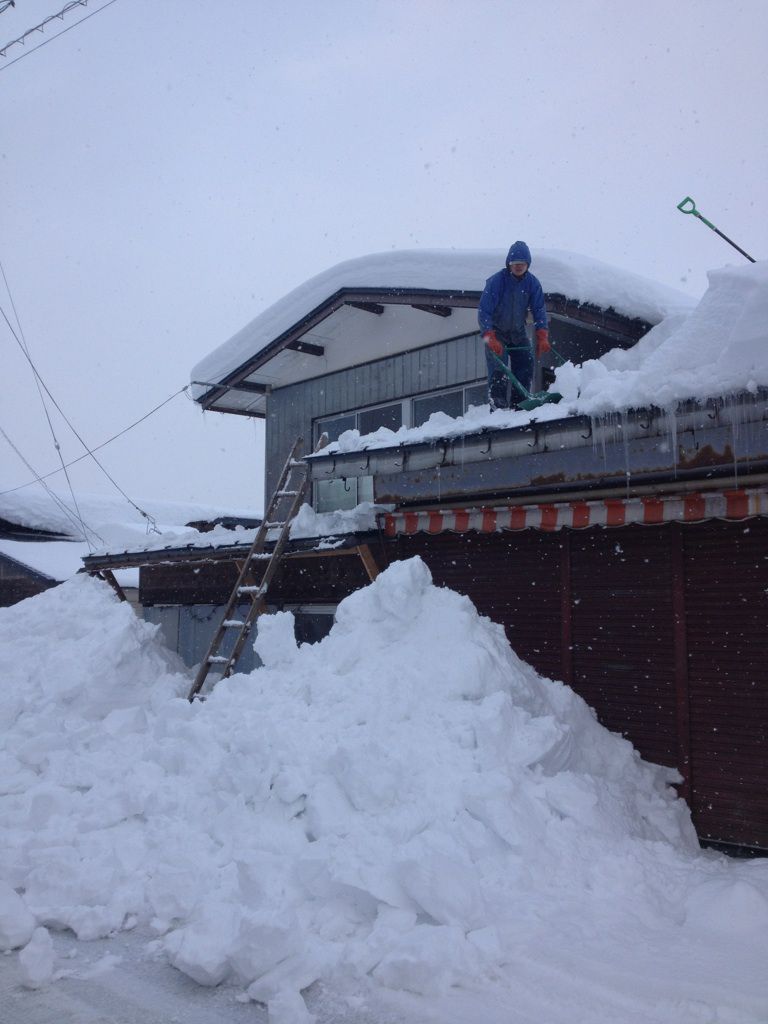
x=405, y=806
x=721, y=348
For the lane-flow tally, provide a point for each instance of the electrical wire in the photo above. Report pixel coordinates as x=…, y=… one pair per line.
x=56, y=445
x=75, y=3
x=55, y=498
x=151, y=524
x=103, y=443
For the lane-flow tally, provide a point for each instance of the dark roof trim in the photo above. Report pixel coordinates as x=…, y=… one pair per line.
x=15, y=531
x=300, y=548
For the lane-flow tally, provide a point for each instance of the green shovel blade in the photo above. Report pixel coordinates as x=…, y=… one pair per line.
x=539, y=398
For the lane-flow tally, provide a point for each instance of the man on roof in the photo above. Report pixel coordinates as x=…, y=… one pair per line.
x=507, y=297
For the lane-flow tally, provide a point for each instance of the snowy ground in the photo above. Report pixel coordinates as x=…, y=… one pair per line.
x=401, y=823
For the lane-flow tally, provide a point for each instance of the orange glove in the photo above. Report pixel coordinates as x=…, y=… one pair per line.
x=493, y=343
x=542, y=342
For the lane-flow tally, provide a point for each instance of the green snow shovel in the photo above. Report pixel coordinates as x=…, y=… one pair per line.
x=689, y=206
x=530, y=401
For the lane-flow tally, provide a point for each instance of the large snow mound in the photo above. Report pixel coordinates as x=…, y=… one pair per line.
x=405, y=806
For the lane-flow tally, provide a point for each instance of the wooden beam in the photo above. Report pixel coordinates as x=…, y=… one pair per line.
x=368, y=307
x=366, y=557
x=435, y=310
x=306, y=347
x=109, y=577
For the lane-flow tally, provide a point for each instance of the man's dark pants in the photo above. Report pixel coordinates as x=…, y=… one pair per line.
x=519, y=358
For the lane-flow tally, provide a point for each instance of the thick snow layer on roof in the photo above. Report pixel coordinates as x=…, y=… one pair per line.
x=307, y=524
x=577, y=277
x=59, y=560
x=405, y=808
x=719, y=348
x=35, y=509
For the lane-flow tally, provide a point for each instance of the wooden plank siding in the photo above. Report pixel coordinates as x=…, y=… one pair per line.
x=662, y=630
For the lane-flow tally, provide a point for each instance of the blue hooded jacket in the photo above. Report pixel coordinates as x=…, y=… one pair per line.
x=506, y=300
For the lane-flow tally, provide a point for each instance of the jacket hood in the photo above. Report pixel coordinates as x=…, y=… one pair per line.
x=519, y=253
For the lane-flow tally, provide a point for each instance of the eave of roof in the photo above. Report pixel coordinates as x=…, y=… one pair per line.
x=452, y=279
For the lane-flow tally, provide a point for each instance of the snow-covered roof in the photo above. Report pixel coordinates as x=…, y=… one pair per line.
x=35, y=509
x=718, y=348
x=110, y=524
x=342, y=335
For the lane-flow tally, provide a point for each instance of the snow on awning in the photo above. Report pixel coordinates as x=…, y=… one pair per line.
x=577, y=515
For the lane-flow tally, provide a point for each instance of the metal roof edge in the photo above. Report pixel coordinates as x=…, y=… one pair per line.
x=559, y=434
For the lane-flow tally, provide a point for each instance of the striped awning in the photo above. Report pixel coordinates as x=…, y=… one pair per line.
x=578, y=515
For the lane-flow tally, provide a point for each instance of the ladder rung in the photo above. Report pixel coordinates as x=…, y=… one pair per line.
x=260, y=556
x=250, y=590
x=277, y=522
x=218, y=659
x=286, y=494
x=231, y=623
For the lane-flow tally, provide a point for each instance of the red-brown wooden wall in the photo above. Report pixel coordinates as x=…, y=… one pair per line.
x=661, y=629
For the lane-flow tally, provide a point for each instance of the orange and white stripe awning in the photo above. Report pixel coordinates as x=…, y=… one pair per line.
x=578, y=515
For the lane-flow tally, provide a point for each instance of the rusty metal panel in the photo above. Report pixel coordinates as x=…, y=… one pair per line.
x=726, y=598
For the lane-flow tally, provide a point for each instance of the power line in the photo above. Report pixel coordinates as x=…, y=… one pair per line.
x=103, y=444
x=56, y=444
x=67, y=512
x=41, y=26
x=151, y=524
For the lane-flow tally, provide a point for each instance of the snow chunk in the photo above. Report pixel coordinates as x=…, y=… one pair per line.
x=16, y=921
x=36, y=959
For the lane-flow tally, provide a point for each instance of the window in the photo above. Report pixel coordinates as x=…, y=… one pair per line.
x=333, y=495
x=452, y=403
x=477, y=394
x=449, y=402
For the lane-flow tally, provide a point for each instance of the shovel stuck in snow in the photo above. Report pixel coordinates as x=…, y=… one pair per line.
x=530, y=400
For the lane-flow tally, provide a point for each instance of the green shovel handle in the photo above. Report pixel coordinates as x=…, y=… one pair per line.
x=683, y=207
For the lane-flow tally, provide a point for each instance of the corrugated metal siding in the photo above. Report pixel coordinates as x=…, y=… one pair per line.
x=726, y=596
x=623, y=638
x=291, y=410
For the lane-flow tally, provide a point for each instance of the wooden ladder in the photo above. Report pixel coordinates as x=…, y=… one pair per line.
x=282, y=509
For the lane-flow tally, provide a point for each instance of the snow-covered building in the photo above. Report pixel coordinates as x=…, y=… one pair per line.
x=45, y=536
x=620, y=536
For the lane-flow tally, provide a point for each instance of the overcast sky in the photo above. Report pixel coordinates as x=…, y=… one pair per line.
x=170, y=168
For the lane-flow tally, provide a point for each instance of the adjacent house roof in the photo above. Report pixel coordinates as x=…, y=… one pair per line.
x=386, y=303
x=46, y=536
